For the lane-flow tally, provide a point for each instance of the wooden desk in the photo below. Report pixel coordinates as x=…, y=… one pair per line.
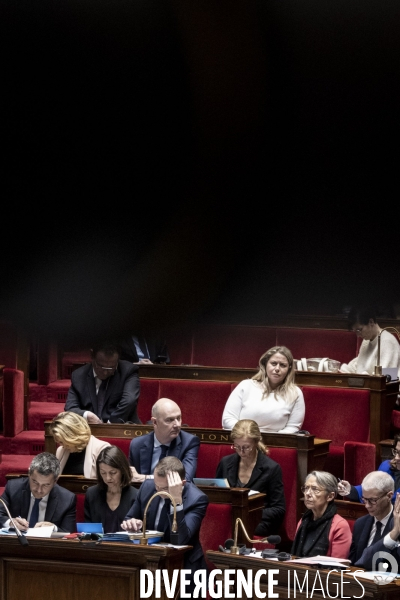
x=247, y=508
x=66, y=569
x=331, y=581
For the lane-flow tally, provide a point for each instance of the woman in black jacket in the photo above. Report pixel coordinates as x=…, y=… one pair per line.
x=250, y=467
x=110, y=500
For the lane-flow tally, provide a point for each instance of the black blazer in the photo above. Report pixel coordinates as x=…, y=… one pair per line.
x=361, y=532
x=266, y=478
x=157, y=349
x=121, y=398
x=61, y=505
x=96, y=502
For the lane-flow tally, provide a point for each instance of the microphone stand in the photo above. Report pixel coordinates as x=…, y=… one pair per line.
x=235, y=547
x=22, y=539
x=174, y=529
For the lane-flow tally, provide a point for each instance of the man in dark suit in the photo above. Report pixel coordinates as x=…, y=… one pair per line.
x=167, y=440
x=191, y=506
x=144, y=349
x=37, y=500
x=389, y=545
x=377, y=491
x=105, y=390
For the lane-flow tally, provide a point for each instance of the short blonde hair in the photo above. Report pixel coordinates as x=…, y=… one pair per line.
x=71, y=429
x=249, y=428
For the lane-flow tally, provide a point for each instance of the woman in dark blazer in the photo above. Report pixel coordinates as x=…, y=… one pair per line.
x=250, y=467
x=110, y=500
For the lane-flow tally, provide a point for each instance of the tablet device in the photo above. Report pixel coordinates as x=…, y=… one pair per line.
x=89, y=528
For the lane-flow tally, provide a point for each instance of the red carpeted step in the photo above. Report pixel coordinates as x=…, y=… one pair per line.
x=37, y=393
x=57, y=391
x=14, y=463
x=26, y=442
x=39, y=412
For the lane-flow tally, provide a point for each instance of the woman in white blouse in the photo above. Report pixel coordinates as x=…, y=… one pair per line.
x=270, y=398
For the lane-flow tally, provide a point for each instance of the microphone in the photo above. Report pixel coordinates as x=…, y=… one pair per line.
x=22, y=539
x=274, y=539
x=227, y=546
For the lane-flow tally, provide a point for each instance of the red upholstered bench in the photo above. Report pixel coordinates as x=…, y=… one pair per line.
x=149, y=394
x=340, y=415
x=359, y=460
x=215, y=528
x=209, y=457
x=201, y=402
x=287, y=459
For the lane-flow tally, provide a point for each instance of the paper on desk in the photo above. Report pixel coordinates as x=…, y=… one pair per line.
x=321, y=560
x=40, y=531
x=376, y=576
x=251, y=492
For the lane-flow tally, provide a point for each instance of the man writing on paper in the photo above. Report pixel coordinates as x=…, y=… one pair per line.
x=37, y=500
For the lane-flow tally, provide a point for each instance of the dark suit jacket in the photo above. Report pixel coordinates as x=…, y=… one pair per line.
x=361, y=532
x=189, y=519
x=157, y=349
x=365, y=560
x=266, y=478
x=121, y=397
x=96, y=502
x=185, y=447
x=61, y=505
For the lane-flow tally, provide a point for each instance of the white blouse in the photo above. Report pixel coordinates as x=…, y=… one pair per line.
x=273, y=415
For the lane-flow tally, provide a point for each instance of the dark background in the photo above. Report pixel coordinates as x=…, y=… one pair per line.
x=167, y=162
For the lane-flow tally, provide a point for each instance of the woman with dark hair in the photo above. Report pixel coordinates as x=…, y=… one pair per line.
x=362, y=320
x=270, y=397
x=110, y=500
x=251, y=467
x=321, y=531
x=392, y=467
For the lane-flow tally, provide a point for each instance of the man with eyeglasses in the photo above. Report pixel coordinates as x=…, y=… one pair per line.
x=377, y=492
x=389, y=544
x=105, y=390
x=191, y=506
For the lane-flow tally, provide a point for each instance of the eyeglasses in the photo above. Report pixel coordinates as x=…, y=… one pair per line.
x=311, y=488
x=106, y=369
x=395, y=452
x=371, y=501
x=241, y=448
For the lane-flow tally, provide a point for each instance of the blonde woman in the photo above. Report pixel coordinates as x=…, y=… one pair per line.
x=270, y=398
x=78, y=448
x=251, y=467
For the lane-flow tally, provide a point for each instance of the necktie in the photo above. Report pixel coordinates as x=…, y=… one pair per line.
x=163, y=520
x=164, y=450
x=378, y=532
x=35, y=513
x=101, y=395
